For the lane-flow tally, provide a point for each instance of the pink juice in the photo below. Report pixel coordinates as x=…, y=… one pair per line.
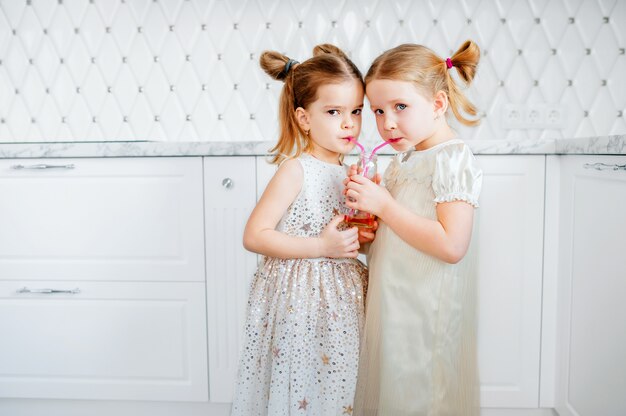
x=361, y=219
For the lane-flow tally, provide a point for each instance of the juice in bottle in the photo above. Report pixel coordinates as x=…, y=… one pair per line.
x=368, y=167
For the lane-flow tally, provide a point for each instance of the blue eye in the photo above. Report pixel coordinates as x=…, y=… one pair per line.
x=400, y=107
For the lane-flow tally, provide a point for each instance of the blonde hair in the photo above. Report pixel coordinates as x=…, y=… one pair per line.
x=329, y=65
x=430, y=74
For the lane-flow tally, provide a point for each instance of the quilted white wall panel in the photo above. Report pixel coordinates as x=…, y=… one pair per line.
x=185, y=70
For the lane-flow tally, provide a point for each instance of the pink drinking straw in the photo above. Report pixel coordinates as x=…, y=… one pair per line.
x=383, y=144
x=377, y=148
x=353, y=140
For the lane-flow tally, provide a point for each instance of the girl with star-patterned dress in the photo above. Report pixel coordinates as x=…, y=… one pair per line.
x=305, y=308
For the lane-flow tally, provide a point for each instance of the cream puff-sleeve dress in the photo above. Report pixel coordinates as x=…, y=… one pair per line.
x=419, y=348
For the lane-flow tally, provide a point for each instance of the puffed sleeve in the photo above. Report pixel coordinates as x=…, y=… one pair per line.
x=457, y=176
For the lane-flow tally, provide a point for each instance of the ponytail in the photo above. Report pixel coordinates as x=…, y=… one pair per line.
x=465, y=60
x=281, y=68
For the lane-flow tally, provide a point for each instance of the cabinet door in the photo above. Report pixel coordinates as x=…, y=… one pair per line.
x=592, y=284
x=229, y=185
x=510, y=247
x=101, y=219
x=105, y=341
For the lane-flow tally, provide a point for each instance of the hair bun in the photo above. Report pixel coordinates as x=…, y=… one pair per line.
x=276, y=65
x=327, y=48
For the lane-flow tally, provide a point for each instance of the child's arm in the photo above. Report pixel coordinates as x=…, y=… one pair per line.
x=446, y=238
x=260, y=235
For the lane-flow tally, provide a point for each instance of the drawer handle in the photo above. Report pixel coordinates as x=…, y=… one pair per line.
x=42, y=166
x=227, y=183
x=604, y=166
x=48, y=291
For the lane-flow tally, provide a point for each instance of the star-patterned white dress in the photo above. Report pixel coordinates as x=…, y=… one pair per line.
x=419, y=350
x=302, y=335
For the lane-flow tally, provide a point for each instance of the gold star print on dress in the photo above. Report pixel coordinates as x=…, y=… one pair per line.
x=303, y=404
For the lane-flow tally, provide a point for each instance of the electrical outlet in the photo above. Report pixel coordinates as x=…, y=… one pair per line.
x=533, y=116
x=555, y=117
x=513, y=116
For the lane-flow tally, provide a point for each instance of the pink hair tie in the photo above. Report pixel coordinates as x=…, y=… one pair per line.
x=449, y=63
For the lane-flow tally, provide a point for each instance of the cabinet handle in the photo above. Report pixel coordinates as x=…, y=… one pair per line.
x=227, y=183
x=604, y=166
x=48, y=291
x=42, y=166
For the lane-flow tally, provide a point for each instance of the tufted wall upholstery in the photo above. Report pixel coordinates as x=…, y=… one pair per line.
x=187, y=70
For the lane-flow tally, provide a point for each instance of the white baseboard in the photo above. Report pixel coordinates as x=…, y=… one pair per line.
x=518, y=412
x=34, y=407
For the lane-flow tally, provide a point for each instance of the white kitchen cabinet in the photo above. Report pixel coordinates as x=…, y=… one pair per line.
x=510, y=247
x=230, y=189
x=592, y=284
x=510, y=253
x=102, y=279
x=106, y=340
x=101, y=219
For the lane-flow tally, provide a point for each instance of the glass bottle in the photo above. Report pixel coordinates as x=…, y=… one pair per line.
x=368, y=168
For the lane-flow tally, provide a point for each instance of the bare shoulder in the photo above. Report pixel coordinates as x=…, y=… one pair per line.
x=291, y=166
x=287, y=180
x=290, y=172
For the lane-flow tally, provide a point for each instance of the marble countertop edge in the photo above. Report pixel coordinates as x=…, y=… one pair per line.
x=603, y=145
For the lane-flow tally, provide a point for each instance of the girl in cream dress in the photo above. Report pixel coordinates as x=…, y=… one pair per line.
x=419, y=352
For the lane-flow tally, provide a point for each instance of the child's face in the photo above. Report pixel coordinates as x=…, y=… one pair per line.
x=404, y=117
x=333, y=118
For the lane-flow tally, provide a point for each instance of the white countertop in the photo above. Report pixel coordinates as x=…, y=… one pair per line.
x=604, y=145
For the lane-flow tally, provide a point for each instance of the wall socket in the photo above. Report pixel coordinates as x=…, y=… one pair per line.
x=534, y=116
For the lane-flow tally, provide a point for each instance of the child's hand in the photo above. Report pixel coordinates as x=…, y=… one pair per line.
x=365, y=195
x=355, y=171
x=339, y=244
x=367, y=235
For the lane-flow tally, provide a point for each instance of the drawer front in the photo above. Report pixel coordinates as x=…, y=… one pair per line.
x=102, y=219
x=103, y=340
